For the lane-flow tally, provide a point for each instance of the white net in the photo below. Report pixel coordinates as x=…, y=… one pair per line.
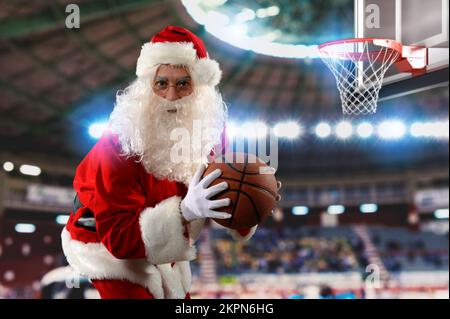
x=359, y=69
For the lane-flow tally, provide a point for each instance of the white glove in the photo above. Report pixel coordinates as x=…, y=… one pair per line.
x=196, y=203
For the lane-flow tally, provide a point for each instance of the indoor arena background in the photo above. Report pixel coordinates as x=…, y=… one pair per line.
x=365, y=200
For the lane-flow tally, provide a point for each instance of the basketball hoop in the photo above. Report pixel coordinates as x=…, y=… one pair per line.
x=359, y=66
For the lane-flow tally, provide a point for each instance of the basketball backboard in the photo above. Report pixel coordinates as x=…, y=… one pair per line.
x=411, y=22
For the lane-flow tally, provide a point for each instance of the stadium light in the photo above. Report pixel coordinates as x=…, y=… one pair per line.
x=25, y=228
x=238, y=30
x=344, y=130
x=417, y=129
x=261, y=13
x=8, y=166
x=441, y=213
x=335, y=209
x=9, y=275
x=215, y=17
x=442, y=129
x=31, y=170
x=288, y=130
x=96, y=130
x=198, y=10
x=245, y=15
x=300, y=210
x=430, y=129
x=272, y=11
x=391, y=130
x=254, y=129
x=232, y=130
x=368, y=208
x=214, y=3
x=365, y=130
x=62, y=219
x=323, y=130
x=268, y=12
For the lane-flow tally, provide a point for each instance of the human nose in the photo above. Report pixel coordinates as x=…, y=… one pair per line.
x=172, y=93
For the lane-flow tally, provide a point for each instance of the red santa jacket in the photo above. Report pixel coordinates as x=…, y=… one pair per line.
x=116, y=190
x=126, y=224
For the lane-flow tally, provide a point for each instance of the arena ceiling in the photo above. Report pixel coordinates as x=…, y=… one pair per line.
x=54, y=80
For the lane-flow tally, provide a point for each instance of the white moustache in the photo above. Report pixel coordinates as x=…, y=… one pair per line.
x=174, y=106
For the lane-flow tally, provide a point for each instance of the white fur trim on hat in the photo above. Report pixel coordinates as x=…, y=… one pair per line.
x=162, y=231
x=205, y=71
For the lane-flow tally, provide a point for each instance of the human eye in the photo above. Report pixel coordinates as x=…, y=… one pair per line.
x=183, y=84
x=160, y=84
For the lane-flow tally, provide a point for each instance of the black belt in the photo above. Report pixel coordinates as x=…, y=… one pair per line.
x=87, y=220
x=76, y=203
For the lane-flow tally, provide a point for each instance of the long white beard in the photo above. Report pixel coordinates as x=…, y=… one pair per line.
x=145, y=128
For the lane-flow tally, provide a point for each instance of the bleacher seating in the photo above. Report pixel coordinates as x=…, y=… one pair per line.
x=334, y=249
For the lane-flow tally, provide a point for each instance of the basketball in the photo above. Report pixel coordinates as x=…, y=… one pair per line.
x=252, y=189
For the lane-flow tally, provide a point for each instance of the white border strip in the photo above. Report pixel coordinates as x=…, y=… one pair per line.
x=398, y=21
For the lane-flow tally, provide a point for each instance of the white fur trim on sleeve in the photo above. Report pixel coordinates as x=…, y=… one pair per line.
x=238, y=236
x=162, y=231
x=195, y=228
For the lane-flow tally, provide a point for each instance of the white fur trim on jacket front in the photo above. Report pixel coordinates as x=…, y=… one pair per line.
x=204, y=71
x=162, y=231
x=95, y=262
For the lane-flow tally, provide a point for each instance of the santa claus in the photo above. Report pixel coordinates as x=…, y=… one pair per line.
x=138, y=212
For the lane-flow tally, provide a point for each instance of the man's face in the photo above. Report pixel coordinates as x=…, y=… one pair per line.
x=165, y=114
x=172, y=82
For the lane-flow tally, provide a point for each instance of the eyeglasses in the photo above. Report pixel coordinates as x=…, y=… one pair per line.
x=182, y=86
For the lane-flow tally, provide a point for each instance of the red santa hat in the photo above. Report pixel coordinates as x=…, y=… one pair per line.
x=179, y=46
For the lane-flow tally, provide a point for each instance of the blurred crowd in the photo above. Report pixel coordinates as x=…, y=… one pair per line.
x=272, y=252
x=397, y=256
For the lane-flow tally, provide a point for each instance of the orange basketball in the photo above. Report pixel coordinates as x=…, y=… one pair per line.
x=251, y=188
